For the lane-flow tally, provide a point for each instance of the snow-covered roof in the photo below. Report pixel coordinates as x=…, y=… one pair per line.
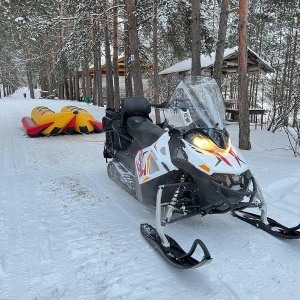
x=230, y=63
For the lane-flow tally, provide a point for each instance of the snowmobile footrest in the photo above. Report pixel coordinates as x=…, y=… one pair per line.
x=174, y=254
x=273, y=227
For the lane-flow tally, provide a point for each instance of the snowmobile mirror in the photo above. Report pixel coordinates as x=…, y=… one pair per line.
x=161, y=105
x=181, y=104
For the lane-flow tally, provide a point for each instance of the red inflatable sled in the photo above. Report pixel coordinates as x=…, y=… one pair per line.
x=70, y=120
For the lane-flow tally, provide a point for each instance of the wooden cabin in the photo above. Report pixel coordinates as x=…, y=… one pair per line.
x=146, y=68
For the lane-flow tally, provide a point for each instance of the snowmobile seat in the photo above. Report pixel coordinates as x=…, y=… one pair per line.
x=119, y=136
x=143, y=130
x=135, y=106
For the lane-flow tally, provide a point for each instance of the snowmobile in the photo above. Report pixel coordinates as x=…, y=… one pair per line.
x=183, y=167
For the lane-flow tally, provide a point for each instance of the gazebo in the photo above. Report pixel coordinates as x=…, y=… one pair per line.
x=255, y=64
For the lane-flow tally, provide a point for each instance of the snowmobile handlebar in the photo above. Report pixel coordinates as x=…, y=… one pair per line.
x=161, y=105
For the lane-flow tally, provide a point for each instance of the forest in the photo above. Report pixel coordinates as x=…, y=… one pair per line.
x=53, y=45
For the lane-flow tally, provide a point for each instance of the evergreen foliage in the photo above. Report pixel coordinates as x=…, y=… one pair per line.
x=48, y=42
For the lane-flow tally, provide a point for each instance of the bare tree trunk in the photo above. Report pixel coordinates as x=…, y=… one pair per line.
x=100, y=90
x=99, y=100
x=244, y=124
x=96, y=76
x=87, y=79
x=134, y=48
x=66, y=87
x=96, y=61
x=61, y=89
x=109, y=80
x=28, y=72
x=71, y=86
x=52, y=85
x=196, y=46
x=115, y=56
x=76, y=85
x=30, y=82
x=288, y=75
x=221, y=42
x=250, y=90
x=295, y=121
x=128, y=77
x=83, y=81
x=155, y=63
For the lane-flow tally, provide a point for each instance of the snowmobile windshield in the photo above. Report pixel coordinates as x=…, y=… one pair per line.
x=197, y=104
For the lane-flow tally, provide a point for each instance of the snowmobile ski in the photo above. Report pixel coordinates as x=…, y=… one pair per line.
x=174, y=254
x=272, y=227
x=167, y=247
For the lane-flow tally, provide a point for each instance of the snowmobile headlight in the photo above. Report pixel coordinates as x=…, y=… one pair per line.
x=204, y=143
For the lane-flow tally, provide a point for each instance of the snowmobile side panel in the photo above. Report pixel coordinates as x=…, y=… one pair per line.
x=121, y=175
x=148, y=161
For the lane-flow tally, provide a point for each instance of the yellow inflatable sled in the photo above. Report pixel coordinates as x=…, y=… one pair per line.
x=71, y=119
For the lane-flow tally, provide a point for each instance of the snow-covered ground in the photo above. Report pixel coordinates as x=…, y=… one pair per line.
x=68, y=232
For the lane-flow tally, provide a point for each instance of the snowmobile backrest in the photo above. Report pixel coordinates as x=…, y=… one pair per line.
x=110, y=116
x=135, y=106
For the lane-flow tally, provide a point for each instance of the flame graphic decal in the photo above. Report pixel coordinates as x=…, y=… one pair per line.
x=236, y=157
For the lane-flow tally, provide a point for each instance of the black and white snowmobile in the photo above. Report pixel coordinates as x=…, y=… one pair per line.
x=185, y=166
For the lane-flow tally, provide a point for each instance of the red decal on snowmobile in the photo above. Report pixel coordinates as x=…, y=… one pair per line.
x=219, y=156
x=235, y=156
x=139, y=166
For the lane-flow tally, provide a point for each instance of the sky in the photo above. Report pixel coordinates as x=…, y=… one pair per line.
x=68, y=232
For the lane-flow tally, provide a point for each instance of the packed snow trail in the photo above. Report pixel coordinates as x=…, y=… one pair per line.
x=68, y=232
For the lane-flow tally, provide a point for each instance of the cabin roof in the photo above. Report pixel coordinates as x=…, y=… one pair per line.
x=230, y=63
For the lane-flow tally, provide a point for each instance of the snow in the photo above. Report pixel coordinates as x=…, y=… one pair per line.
x=68, y=232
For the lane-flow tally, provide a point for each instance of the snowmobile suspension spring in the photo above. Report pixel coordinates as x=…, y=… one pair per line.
x=174, y=201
